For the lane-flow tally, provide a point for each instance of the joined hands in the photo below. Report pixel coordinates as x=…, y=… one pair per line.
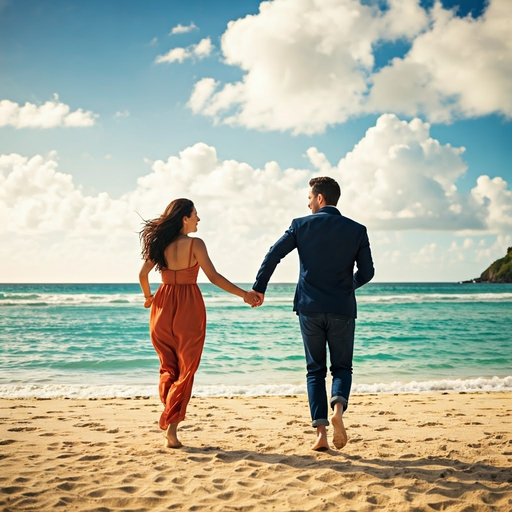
x=254, y=298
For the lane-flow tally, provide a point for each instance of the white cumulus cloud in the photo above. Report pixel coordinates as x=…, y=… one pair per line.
x=36, y=198
x=48, y=115
x=396, y=179
x=399, y=177
x=310, y=64
x=459, y=67
x=183, y=29
x=200, y=50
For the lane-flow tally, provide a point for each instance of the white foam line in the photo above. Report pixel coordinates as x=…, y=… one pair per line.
x=124, y=391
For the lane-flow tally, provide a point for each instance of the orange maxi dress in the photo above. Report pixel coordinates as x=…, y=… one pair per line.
x=177, y=327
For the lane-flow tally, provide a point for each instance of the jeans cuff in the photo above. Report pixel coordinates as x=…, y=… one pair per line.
x=320, y=422
x=339, y=400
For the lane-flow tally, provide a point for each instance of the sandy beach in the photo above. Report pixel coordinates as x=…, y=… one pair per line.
x=421, y=452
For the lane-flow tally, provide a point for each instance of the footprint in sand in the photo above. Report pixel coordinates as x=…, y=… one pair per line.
x=201, y=459
x=22, y=429
x=246, y=484
x=11, y=490
x=225, y=495
x=163, y=467
x=88, y=458
x=128, y=489
x=162, y=493
x=98, y=493
x=66, y=486
x=87, y=425
x=7, y=441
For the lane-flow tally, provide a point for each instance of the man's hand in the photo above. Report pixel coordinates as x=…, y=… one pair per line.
x=261, y=298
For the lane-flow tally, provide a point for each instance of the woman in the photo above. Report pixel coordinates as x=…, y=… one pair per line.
x=178, y=316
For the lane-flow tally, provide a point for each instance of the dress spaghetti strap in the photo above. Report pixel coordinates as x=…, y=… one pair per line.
x=190, y=253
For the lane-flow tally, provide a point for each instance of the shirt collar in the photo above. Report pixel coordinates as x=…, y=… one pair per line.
x=329, y=209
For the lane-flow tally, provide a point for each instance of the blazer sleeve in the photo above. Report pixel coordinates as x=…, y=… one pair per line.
x=276, y=253
x=365, y=270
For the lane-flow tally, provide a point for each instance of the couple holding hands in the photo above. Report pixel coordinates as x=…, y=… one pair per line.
x=329, y=246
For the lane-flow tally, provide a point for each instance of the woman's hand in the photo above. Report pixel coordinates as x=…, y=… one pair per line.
x=148, y=302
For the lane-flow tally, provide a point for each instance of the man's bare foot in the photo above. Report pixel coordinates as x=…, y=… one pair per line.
x=321, y=444
x=339, y=437
x=171, y=437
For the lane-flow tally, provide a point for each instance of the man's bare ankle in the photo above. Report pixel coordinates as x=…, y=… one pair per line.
x=338, y=409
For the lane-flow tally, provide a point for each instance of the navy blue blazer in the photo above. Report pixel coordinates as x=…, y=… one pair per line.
x=328, y=245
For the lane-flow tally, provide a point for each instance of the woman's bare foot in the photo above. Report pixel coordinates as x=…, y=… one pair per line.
x=321, y=444
x=171, y=437
x=339, y=437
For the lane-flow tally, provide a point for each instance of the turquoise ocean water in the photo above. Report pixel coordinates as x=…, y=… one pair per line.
x=92, y=340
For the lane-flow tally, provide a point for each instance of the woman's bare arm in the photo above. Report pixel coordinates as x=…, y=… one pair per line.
x=147, y=267
x=201, y=254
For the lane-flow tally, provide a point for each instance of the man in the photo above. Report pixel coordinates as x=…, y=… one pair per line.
x=328, y=245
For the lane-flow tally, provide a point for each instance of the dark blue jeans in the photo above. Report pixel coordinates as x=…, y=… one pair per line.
x=337, y=331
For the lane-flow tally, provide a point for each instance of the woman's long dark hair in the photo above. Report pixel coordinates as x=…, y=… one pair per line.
x=158, y=233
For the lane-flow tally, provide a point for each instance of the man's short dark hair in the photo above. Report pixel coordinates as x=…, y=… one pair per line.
x=328, y=187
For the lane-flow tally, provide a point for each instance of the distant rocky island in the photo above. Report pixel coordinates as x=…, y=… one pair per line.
x=499, y=272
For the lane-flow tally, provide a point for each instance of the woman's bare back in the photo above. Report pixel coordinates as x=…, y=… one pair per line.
x=177, y=254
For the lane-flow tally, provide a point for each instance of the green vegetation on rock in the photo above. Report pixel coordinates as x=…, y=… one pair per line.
x=500, y=271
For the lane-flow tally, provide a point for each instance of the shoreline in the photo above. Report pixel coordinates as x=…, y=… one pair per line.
x=113, y=390
x=424, y=452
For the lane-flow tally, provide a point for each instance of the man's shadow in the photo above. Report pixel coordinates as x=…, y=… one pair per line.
x=452, y=475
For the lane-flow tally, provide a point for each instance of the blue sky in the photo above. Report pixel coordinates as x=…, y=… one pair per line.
x=275, y=82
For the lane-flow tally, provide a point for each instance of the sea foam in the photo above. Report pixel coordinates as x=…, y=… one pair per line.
x=491, y=384
x=116, y=299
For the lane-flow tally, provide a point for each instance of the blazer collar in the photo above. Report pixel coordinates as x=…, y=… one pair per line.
x=330, y=210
